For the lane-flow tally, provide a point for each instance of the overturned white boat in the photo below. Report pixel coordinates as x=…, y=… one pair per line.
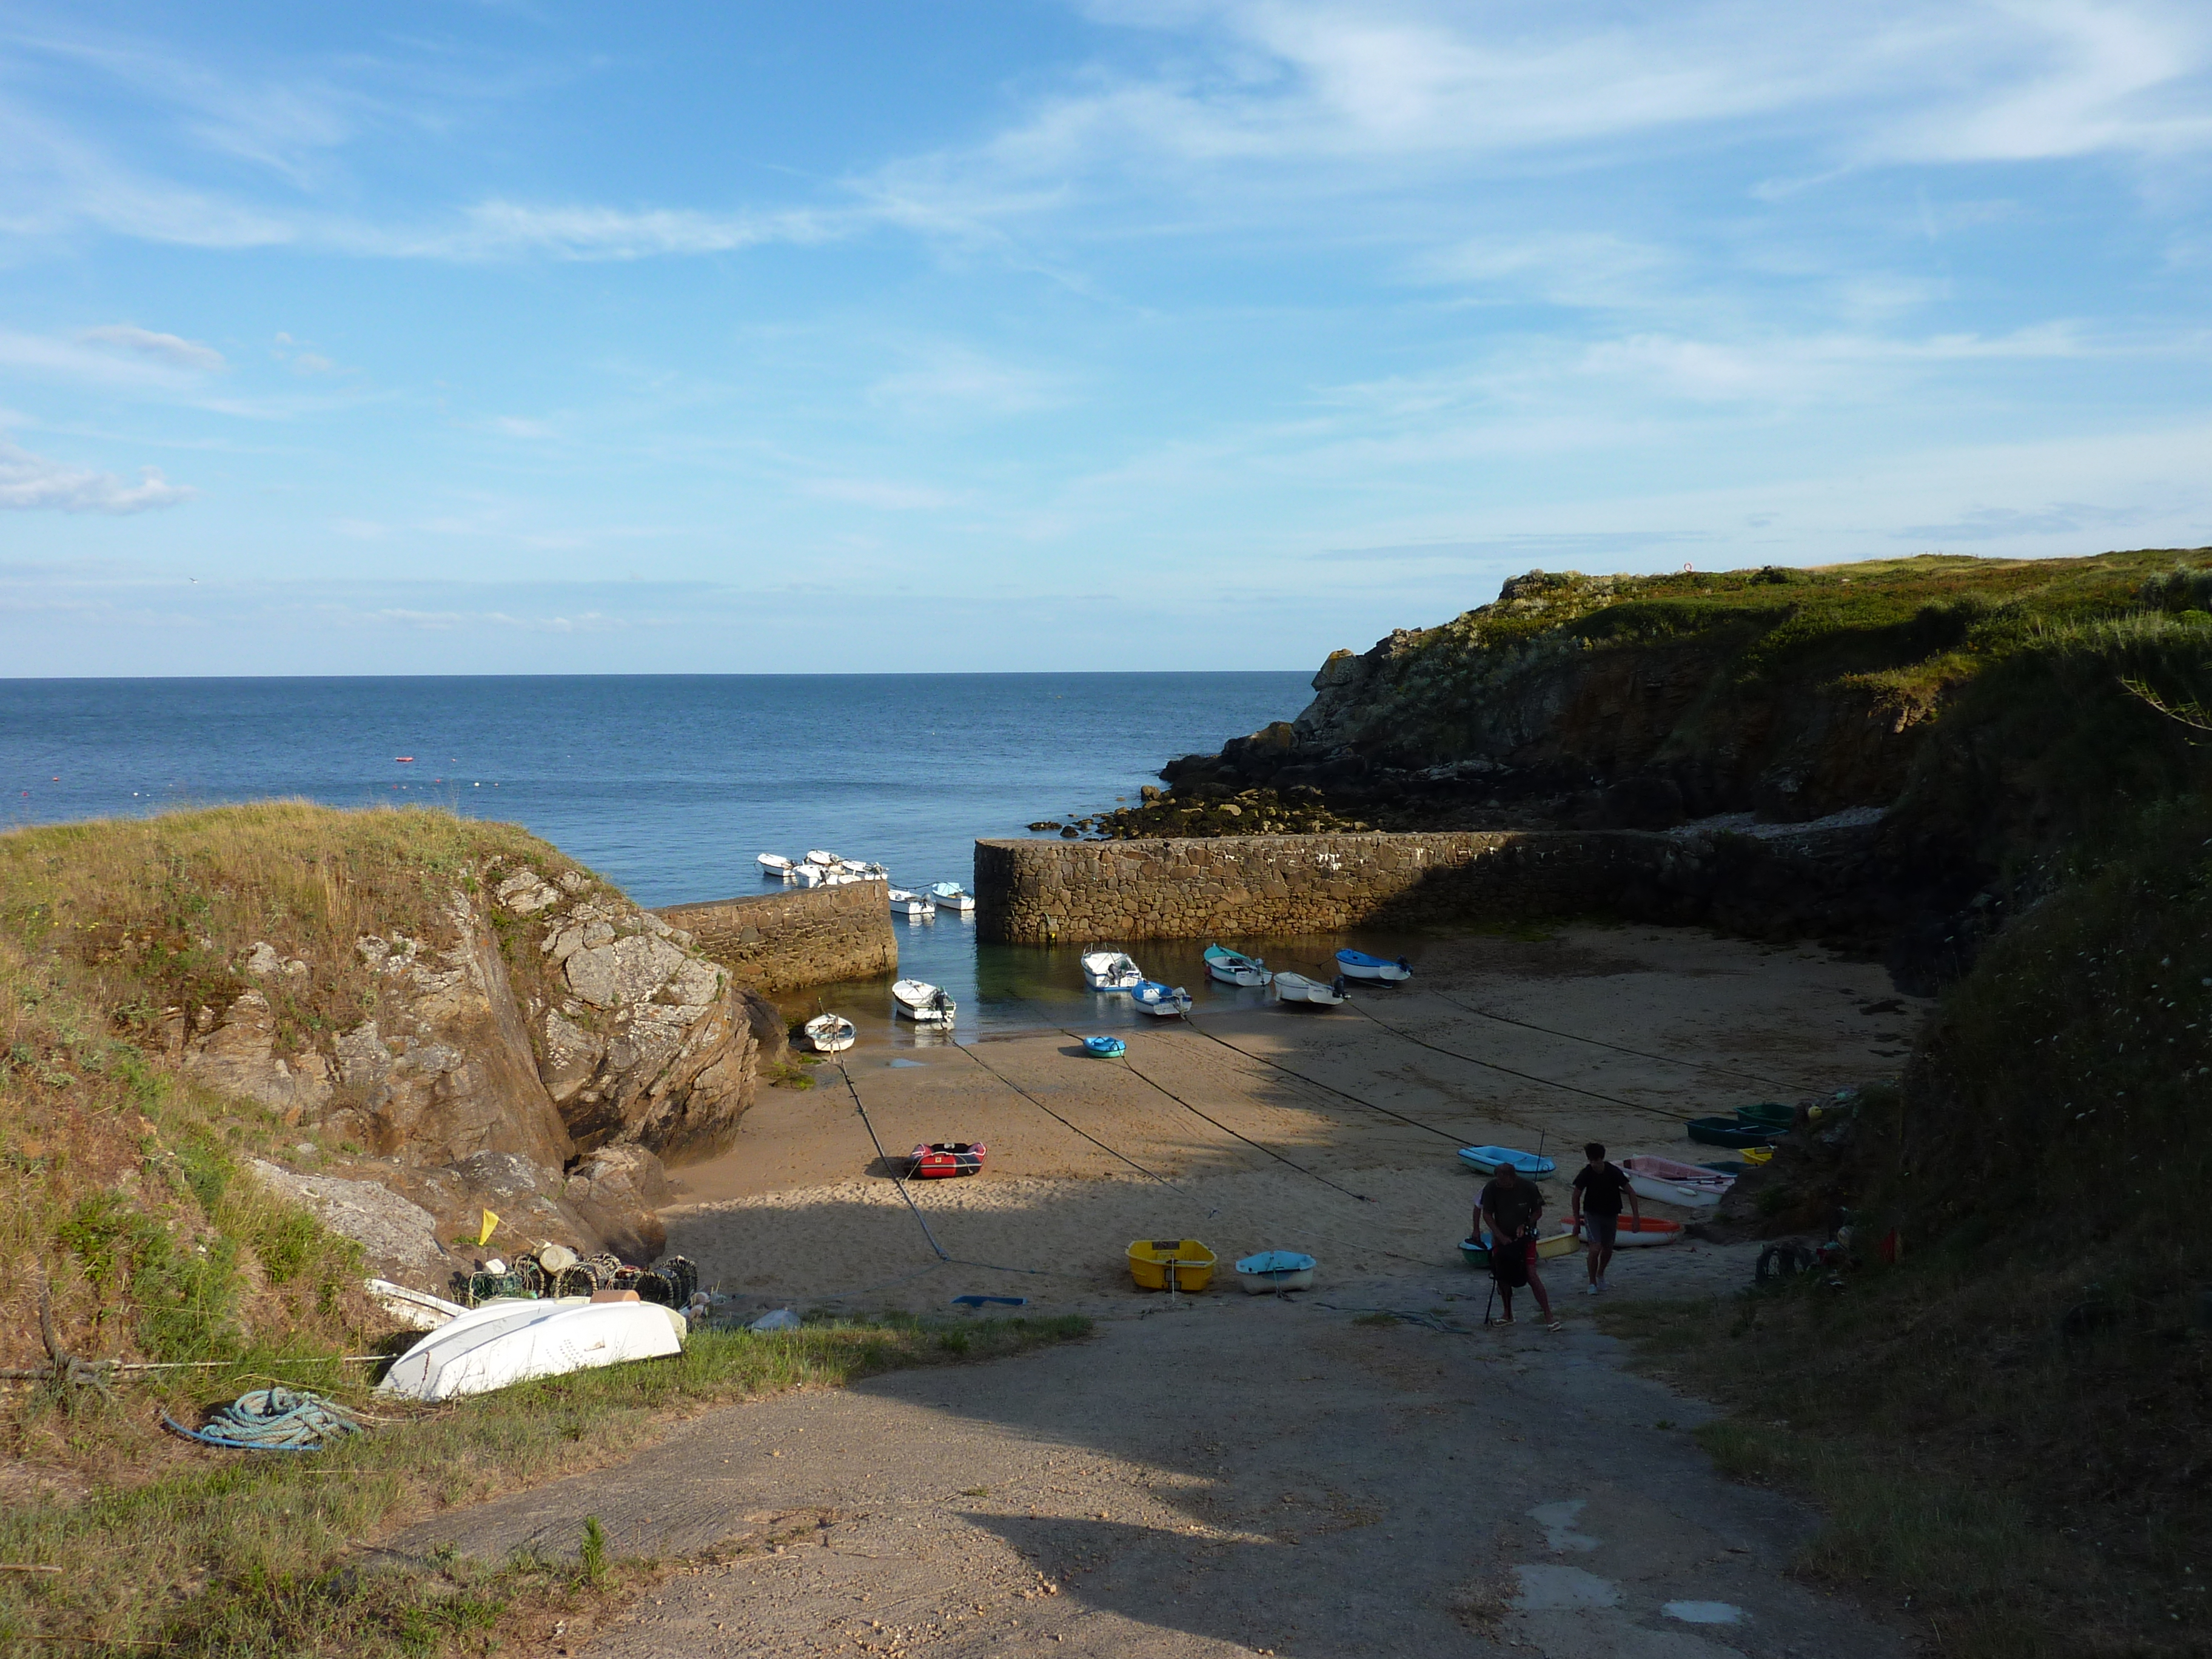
x=951, y=896
x=1297, y=988
x=506, y=1342
x=923, y=1003
x=913, y=905
x=828, y=1034
x=1111, y=970
x=775, y=864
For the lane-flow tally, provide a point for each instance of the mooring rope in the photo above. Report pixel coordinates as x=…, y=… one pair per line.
x=1130, y=1066
x=1549, y=1083
x=1618, y=1048
x=943, y=1255
x=1444, y=1134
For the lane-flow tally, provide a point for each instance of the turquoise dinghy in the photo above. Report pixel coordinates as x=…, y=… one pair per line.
x=1275, y=1270
x=1357, y=964
x=1234, y=968
x=1486, y=1160
x=1106, y=1047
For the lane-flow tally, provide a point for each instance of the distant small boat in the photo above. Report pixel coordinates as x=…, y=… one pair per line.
x=1111, y=970
x=806, y=875
x=940, y=1159
x=904, y=903
x=951, y=896
x=1152, y=996
x=1105, y=1047
x=1665, y=1181
x=1486, y=1160
x=775, y=864
x=1275, y=1270
x=404, y=760
x=825, y=859
x=1297, y=988
x=828, y=1034
x=1357, y=964
x=923, y=1003
x=1232, y=967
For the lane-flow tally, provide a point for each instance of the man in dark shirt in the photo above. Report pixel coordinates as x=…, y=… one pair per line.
x=1510, y=1207
x=1599, y=1187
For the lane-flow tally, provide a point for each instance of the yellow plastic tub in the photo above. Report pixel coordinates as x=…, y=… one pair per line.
x=1180, y=1264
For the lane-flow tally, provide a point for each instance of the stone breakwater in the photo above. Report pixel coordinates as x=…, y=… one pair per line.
x=1812, y=880
x=797, y=936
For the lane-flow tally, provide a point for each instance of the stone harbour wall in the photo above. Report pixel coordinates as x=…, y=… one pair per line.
x=795, y=936
x=1038, y=892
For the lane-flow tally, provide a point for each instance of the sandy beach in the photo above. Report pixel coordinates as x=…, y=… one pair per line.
x=1640, y=1027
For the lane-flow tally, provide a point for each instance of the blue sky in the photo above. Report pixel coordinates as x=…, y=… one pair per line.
x=501, y=337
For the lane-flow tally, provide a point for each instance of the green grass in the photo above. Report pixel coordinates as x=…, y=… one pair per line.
x=252, y=1555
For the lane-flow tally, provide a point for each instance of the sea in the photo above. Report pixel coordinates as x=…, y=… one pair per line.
x=671, y=785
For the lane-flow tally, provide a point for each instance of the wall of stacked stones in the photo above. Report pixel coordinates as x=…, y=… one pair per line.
x=797, y=936
x=1038, y=892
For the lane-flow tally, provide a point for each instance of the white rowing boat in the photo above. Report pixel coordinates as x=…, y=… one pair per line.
x=1234, y=968
x=1297, y=988
x=951, y=896
x=913, y=905
x=775, y=864
x=1665, y=1181
x=1111, y=970
x=828, y=1034
x=923, y=1003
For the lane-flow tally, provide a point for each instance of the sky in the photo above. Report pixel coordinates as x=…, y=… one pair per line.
x=439, y=335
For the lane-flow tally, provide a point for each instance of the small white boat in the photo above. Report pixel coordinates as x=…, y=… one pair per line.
x=1665, y=1181
x=775, y=864
x=1168, y=1002
x=1111, y=970
x=1357, y=964
x=828, y=1034
x=807, y=875
x=951, y=896
x=923, y=1003
x=912, y=905
x=506, y=1342
x=1233, y=967
x=1275, y=1270
x=861, y=872
x=419, y=1309
x=1297, y=988
x=822, y=860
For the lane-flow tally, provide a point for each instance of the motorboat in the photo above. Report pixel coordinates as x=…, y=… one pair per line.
x=509, y=1342
x=1111, y=970
x=937, y=1160
x=828, y=1034
x=1232, y=967
x=1665, y=1181
x=1297, y=988
x=1168, y=1002
x=911, y=905
x=923, y=1003
x=1105, y=1047
x=776, y=865
x=1487, y=1160
x=1357, y=964
x=807, y=875
x=822, y=860
x=951, y=896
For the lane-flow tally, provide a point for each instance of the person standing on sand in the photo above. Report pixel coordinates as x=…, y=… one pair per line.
x=1510, y=1207
x=1598, y=1188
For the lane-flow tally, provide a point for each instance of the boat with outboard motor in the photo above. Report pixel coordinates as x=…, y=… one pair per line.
x=1234, y=968
x=1111, y=970
x=1357, y=964
x=1168, y=1002
x=1297, y=988
x=923, y=1003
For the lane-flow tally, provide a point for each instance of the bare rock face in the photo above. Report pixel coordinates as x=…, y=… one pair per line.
x=239, y=1056
x=399, y=1238
x=616, y=1190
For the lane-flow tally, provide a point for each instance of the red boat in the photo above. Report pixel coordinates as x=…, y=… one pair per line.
x=940, y=1158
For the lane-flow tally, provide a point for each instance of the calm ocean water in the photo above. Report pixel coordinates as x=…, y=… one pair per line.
x=668, y=785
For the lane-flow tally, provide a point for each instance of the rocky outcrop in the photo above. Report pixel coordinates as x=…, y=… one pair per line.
x=399, y=1238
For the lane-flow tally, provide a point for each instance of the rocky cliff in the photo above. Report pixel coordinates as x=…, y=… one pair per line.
x=454, y=1014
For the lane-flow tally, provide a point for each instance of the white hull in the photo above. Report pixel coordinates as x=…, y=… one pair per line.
x=1297, y=988
x=822, y=860
x=1389, y=973
x=1171, y=1005
x=807, y=875
x=1111, y=971
x=1243, y=972
x=956, y=900
x=775, y=864
x=915, y=909
x=419, y=1309
x=1296, y=1279
x=923, y=1003
x=503, y=1343
x=829, y=1034
x=1672, y=1192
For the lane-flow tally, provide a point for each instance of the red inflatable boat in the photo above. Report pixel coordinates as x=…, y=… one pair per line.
x=940, y=1158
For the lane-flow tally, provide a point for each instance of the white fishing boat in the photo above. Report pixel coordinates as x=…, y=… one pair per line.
x=951, y=896
x=1665, y=1181
x=1233, y=967
x=505, y=1342
x=826, y=861
x=923, y=1003
x=775, y=864
x=1297, y=988
x=861, y=872
x=808, y=875
x=1111, y=970
x=913, y=905
x=1168, y=1002
x=828, y=1034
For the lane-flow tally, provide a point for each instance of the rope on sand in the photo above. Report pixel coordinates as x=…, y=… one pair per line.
x=943, y=1255
x=1259, y=1147
x=1641, y=1053
x=1442, y=1134
x=1549, y=1083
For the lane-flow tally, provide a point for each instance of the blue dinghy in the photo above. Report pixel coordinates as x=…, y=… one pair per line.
x=1106, y=1047
x=1357, y=964
x=1167, y=1001
x=1486, y=1160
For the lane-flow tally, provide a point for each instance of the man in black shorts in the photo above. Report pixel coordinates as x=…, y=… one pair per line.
x=1599, y=1187
x=1510, y=1206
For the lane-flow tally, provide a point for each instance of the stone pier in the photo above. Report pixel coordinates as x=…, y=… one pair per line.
x=795, y=936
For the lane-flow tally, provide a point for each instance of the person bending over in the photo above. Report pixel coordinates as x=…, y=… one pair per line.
x=1599, y=1187
x=1510, y=1207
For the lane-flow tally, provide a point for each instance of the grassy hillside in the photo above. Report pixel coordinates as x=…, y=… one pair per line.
x=2011, y=1425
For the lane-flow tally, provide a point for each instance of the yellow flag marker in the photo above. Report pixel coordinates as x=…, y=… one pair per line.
x=491, y=1225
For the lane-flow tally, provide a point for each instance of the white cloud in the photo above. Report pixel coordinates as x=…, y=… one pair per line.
x=31, y=482
x=952, y=377
x=163, y=347
x=502, y=230
x=878, y=493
